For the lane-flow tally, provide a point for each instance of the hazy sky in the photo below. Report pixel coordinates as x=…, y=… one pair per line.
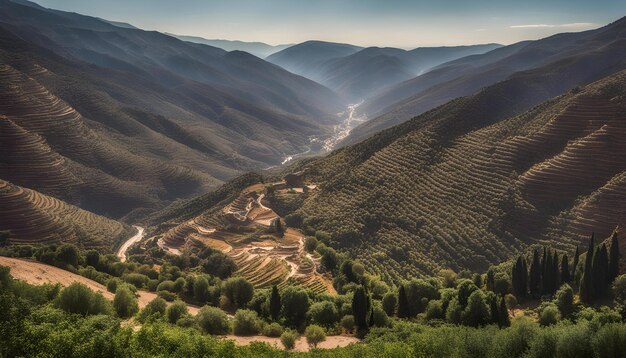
x=401, y=23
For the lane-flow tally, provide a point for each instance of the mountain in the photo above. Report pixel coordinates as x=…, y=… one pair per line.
x=35, y=218
x=258, y=49
x=471, y=183
x=367, y=72
x=304, y=58
x=582, y=54
x=121, y=120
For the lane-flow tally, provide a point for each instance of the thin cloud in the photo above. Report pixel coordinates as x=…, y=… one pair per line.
x=576, y=25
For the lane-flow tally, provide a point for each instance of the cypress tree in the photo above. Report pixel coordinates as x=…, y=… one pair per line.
x=547, y=274
x=565, y=276
x=613, y=259
x=544, y=263
x=600, y=269
x=524, y=277
x=575, y=264
x=556, y=277
x=359, y=308
x=535, y=275
x=275, y=304
x=490, y=282
x=519, y=277
x=403, y=303
x=505, y=321
x=371, y=317
x=586, y=282
x=495, y=310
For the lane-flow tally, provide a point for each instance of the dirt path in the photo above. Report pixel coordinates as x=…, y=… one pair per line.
x=37, y=273
x=121, y=253
x=301, y=344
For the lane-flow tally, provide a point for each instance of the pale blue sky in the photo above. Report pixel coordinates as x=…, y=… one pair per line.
x=401, y=23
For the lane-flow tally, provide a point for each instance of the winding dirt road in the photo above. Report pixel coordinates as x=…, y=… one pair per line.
x=121, y=253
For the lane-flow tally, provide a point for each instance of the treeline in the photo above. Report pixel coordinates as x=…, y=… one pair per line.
x=545, y=275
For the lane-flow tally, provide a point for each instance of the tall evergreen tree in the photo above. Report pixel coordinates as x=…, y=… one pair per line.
x=494, y=308
x=565, y=273
x=490, y=281
x=275, y=304
x=556, y=275
x=600, y=264
x=544, y=264
x=586, y=282
x=360, y=309
x=613, y=259
x=403, y=303
x=524, y=277
x=518, y=277
x=505, y=321
x=547, y=277
x=575, y=263
x=534, y=279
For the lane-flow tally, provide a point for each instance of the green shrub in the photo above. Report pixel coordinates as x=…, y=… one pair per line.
x=166, y=286
x=78, y=298
x=212, y=320
x=347, y=323
x=125, y=302
x=295, y=305
x=323, y=313
x=434, y=310
x=136, y=279
x=389, y=302
x=549, y=315
x=314, y=335
x=175, y=311
x=246, y=323
x=157, y=306
x=238, y=291
x=152, y=285
x=288, y=339
x=167, y=295
x=273, y=330
x=112, y=284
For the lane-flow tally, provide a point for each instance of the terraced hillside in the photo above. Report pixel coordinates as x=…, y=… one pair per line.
x=456, y=188
x=35, y=218
x=245, y=229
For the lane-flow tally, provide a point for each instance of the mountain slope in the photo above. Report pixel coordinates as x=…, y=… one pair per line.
x=258, y=49
x=463, y=186
x=588, y=53
x=34, y=218
x=118, y=136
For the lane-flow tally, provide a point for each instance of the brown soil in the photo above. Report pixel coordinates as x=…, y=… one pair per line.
x=301, y=344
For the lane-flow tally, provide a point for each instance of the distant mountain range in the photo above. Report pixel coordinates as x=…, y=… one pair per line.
x=358, y=73
x=259, y=49
x=583, y=56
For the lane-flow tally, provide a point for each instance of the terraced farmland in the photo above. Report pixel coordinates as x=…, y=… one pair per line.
x=449, y=189
x=35, y=218
x=243, y=229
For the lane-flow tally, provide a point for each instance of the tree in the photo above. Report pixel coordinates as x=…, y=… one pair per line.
x=212, y=320
x=518, y=277
x=600, y=269
x=246, y=323
x=494, y=308
x=125, y=302
x=586, y=282
x=614, y=256
x=360, y=308
x=448, y=277
x=324, y=313
x=238, y=291
x=347, y=323
x=403, y=303
x=565, y=300
x=78, y=298
x=490, y=282
x=156, y=306
x=549, y=315
x=503, y=315
x=288, y=339
x=389, y=302
x=575, y=263
x=346, y=270
x=68, y=254
x=295, y=305
x=565, y=271
x=275, y=304
x=534, y=279
x=330, y=260
x=176, y=311
x=200, y=289
x=476, y=312
x=378, y=317
x=314, y=335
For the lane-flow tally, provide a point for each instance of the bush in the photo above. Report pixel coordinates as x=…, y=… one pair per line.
x=610, y=340
x=238, y=291
x=380, y=317
x=157, y=306
x=152, y=285
x=125, y=302
x=68, y=254
x=167, y=286
x=288, y=339
x=112, y=284
x=314, y=335
x=137, y=280
x=167, y=295
x=246, y=323
x=175, y=311
x=323, y=313
x=212, y=320
x=549, y=315
x=477, y=312
x=273, y=330
x=434, y=310
x=347, y=323
x=389, y=302
x=78, y=298
x=565, y=300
